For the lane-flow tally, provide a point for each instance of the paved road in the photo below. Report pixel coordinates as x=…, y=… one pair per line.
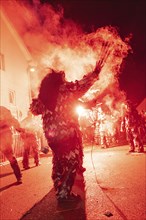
x=115, y=184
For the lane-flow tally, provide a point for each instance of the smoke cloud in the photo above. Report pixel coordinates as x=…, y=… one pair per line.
x=61, y=44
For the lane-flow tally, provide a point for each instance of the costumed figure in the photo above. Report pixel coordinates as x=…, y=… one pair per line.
x=56, y=102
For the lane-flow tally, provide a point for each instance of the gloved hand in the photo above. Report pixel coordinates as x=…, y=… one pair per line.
x=21, y=130
x=98, y=67
x=105, y=53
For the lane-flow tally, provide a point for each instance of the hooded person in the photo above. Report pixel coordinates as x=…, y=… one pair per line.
x=56, y=103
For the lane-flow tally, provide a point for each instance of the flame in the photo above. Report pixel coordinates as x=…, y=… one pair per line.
x=80, y=110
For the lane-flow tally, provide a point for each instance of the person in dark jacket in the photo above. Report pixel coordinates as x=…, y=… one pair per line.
x=7, y=121
x=132, y=126
x=30, y=140
x=56, y=102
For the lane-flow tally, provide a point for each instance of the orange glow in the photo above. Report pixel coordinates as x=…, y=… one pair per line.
x=52, y=46
x=32, y=69
x=80, y=110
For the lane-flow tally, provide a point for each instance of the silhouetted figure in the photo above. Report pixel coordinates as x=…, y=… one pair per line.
x=132, y=126
x=56, y=102
x=30, y=141
x=7, y=121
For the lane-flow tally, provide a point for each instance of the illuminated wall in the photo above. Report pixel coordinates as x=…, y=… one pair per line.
x=14, y=77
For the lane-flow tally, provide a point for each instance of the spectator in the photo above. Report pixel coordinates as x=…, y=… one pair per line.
x=30, y=141
x=132, y=127
x=7, y=121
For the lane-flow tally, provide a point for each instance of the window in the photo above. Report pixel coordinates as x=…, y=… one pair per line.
x=12, y=97
x=2, y=62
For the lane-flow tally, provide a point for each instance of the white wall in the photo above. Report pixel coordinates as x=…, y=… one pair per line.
x=15, y=76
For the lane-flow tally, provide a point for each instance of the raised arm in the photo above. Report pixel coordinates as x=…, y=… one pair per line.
x=80, y=87
x=83, y=85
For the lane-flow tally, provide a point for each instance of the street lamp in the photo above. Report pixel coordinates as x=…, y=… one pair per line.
x=30, y=70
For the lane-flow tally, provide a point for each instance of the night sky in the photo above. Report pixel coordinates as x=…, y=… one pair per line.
x=129, y=17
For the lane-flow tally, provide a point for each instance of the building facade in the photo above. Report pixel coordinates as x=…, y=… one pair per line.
x=15, y=90
x=14, y=75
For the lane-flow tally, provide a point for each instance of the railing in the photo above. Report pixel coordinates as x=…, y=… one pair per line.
x=18, y=146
